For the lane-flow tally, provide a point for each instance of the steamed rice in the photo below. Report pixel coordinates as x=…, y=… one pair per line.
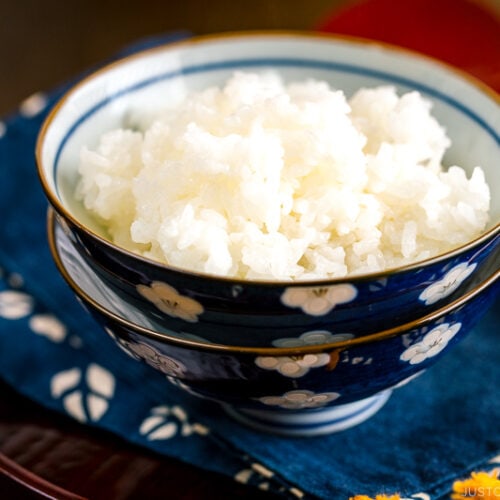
x=262, y=180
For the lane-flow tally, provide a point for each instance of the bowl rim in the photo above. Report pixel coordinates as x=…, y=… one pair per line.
x=269, y=351
x=255, y=35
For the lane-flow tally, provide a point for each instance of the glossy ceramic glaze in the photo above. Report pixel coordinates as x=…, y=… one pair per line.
x=255, y=337
x=262, y=313
x=298, y=388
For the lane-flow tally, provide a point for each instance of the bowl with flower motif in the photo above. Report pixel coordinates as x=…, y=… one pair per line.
x=86, y=276
x=298, y=388
x=260, y=312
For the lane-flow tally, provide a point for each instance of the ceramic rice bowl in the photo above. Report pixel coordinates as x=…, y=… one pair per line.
x=302, y=390
x=260, y=313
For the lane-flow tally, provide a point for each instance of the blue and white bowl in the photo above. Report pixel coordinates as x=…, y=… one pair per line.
x=85, y=275
x=259, y=313
x=301, y=388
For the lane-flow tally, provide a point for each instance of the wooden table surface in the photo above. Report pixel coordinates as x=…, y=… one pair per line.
x=42, y=44
x=96, y=465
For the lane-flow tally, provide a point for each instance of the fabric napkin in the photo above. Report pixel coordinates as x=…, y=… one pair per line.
x=438, y=428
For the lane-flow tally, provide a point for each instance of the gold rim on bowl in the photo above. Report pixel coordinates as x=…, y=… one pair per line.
x=270, y=351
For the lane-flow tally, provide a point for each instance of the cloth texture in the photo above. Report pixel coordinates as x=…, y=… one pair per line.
x=438, y=428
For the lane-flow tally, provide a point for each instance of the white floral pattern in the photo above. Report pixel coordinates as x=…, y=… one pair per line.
x=168, y=300
x=292, y=366
x=257, y=475
x=84, y=407
x=447, y=284
x=33, y=105
x=318, y=301
x=299, y=399
x=431, y=344
x=164, y=422
x=152, y=357
x=15, y=304
x=356, y=360
x=48, y=326
x=313, y=337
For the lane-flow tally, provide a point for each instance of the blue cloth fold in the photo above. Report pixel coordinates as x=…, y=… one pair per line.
x=436, y=429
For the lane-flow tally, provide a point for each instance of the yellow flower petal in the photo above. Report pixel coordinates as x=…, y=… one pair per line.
x=480, y=486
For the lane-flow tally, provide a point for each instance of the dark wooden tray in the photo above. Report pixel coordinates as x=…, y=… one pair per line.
x=47, y=455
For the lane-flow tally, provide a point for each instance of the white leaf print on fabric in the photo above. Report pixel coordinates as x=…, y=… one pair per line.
x=84, y=405
x=15, y=305
x=97, y=406
x=48, y=326
x=100, y=380
x=165, y=431
x=263, y=471
x=150, y=423
x=73, y=404
x=165, y=422
x=33, y=105
x=420, y=496
x=296, y=492
x=64, y=381
x=243, y=476
x=257, y=475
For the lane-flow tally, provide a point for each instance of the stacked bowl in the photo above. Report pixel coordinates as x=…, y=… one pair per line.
x=291, y=357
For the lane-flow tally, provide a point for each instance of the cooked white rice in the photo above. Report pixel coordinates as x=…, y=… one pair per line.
x=261, y=180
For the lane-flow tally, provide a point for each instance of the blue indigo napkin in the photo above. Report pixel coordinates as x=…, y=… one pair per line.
x=436, y=429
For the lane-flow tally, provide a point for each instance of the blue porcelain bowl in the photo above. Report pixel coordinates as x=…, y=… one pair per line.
x=85, y=275
x=260, y=313
x=298, y=389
